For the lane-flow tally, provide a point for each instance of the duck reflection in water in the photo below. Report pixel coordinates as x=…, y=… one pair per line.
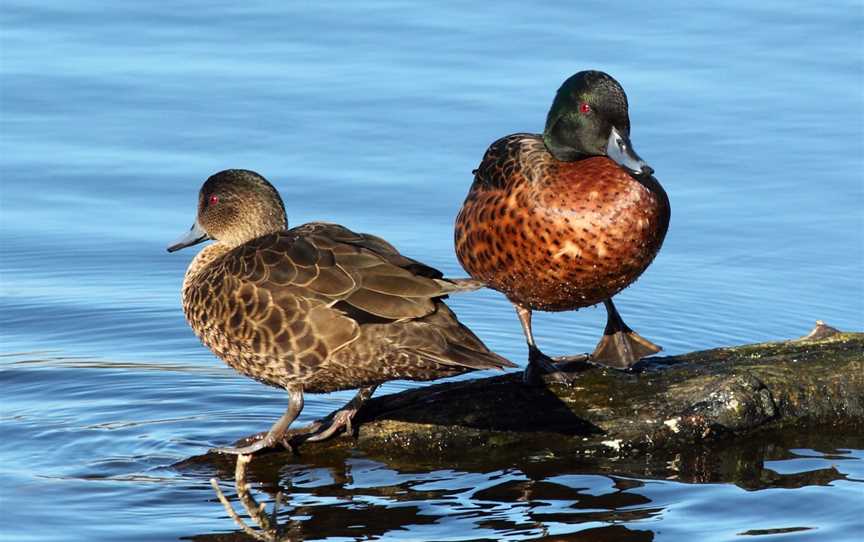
x=347, y=494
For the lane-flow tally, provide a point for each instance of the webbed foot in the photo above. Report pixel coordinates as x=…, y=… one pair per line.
x=341, y=420
x=622, y=349
x=276, y=433
x=540, y=364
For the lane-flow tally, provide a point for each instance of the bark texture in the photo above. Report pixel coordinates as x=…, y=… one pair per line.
x=667, y=403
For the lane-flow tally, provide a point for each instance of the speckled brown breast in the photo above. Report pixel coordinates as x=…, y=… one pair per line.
x=555, y=235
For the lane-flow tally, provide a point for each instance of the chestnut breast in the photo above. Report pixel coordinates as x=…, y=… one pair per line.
x=555, y=235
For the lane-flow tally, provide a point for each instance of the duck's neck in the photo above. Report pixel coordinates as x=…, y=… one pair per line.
x=203, y=259
x=561, y=152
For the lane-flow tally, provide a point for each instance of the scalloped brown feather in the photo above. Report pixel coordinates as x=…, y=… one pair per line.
x=326, y=308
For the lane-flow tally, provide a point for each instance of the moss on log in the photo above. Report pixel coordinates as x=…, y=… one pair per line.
x=667, y=403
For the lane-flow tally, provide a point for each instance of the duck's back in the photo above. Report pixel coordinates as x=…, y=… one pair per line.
x=327, y=308
x=556, y=235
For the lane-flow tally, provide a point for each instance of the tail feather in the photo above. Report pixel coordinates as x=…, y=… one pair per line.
x=478, y=360
x=459, y=356
x=460, y=285
x=449, y=342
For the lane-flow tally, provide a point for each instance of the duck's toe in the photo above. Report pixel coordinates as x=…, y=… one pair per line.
x=341, y=420
x=539, y=364
x=256, y=446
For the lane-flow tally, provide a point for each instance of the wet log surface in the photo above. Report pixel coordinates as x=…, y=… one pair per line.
x=715, y=416
x=666, y=404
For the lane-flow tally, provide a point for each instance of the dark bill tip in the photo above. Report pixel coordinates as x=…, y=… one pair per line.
x=194, y=236
x=178, y=246
x=619, y=149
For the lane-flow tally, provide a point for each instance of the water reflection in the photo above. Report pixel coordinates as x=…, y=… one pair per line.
x=349, y=495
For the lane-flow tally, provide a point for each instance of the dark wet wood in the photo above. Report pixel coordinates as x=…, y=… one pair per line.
x=669, y=403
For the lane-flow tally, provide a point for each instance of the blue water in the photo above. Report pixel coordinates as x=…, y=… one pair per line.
x=373, y=116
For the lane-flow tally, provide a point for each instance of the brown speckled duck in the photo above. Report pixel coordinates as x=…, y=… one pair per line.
x=567, y=219
x=316, y=308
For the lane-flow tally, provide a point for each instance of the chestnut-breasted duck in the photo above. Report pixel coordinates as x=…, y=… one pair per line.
x=567, y=219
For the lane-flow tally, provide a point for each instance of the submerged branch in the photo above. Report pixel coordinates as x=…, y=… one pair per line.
x=257, y=512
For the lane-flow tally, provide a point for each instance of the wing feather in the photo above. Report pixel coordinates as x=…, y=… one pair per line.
x=303, y=294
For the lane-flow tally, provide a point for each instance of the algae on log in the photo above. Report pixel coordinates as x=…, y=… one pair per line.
x=668, y=403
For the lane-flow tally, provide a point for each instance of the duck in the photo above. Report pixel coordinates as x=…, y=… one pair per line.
x=316, y=308
x=567, y=219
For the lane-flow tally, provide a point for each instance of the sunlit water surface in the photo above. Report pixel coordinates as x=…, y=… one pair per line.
x=374, y=116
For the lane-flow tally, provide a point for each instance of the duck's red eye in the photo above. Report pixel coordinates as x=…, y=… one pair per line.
x=214, y=200
x=584, y=108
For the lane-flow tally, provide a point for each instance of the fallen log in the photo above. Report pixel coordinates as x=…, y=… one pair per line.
x=703, y=417
x=667, y=403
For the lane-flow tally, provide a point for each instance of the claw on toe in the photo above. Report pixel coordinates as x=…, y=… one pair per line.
x=341, y=420
x=256, y=446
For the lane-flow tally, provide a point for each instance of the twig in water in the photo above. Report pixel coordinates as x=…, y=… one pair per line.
x=268, y=532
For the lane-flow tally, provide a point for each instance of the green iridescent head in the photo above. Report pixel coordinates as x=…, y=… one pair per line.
x=589, y=118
